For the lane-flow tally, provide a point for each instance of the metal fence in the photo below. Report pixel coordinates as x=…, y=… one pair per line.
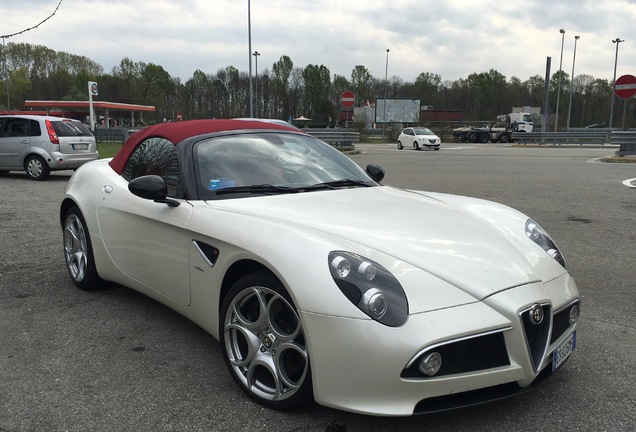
x=558, y=138
x=627, y=142
x=344, y=139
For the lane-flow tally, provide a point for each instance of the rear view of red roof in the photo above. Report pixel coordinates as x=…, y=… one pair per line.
x=178, y=131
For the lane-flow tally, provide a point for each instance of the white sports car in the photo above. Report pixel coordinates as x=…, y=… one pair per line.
x=284, y=249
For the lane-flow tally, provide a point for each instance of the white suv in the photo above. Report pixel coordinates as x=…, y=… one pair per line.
x=39, y=144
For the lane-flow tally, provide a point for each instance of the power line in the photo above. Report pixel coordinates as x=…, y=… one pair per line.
x=35, y=26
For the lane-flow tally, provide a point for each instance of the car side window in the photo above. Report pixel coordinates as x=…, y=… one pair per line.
x=16, y=127
x=35, y=128
x=156, y=156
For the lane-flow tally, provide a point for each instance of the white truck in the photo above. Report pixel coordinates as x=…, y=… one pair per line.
x=507, y=124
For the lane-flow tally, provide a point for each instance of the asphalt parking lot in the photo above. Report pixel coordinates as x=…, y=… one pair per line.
x=114, y=360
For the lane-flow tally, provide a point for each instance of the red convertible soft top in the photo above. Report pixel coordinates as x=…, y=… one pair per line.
x=178, y=131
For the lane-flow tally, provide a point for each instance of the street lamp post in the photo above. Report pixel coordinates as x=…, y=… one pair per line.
x=616, y=41
x=249, y=37
x=256, y=54
x=556, y=112
x=386, y=79
x=576, y=38
x=6, y=73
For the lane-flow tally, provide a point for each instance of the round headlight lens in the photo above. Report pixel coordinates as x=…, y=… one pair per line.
x=367, y=270
x=375, y=302
x=341, y=266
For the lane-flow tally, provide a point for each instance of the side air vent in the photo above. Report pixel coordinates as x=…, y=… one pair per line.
x=209, y=253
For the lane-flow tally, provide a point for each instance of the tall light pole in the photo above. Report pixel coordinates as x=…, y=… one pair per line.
x=386, y=80
x=256, y=54
x=576, y=38
x=556, y=112
x=249, y=52
x=616, y=41
x=6, y=73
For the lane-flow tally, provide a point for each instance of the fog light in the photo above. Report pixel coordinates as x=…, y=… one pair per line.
x=60, y=160
x=575, y=313
x=431, y=364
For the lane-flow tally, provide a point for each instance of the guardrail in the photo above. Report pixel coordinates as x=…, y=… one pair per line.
x=344, y=139
x=592, y=137
x=627, y=142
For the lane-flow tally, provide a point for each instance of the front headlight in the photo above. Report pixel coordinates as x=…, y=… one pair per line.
x=369, y=286
x=540, y=237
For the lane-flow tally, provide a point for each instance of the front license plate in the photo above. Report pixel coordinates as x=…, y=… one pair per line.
x=563, y=351
x=80, y=146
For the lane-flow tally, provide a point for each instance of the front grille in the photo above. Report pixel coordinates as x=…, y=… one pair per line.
x=466, y=355
x=537, y=335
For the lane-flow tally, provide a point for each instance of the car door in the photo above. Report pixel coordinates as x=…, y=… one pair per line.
x=149, y=241
x=410, y=135
x=15, y=142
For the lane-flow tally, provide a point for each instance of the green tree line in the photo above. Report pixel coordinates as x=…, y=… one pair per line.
x=36, y=72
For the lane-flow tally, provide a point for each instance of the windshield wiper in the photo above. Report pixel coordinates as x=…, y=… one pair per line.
x=257, y=189
x=335, y=184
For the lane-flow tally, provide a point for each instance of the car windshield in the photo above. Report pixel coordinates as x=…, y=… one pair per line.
x=423, y=131
x=272, y=163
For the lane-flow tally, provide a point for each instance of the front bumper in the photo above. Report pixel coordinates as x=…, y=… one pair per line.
x=358, y=365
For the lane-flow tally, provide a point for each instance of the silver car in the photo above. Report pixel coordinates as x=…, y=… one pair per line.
x=40, y=144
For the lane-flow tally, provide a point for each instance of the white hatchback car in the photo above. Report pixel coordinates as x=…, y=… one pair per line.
x=40, y=144
x=418, y=137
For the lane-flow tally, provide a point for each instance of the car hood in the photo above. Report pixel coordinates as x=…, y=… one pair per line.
x=441, y=239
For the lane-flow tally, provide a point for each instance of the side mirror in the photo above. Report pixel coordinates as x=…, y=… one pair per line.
x=151, y=187
x=376, y=172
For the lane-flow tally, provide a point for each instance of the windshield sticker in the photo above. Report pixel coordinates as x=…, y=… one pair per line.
x=216, y=184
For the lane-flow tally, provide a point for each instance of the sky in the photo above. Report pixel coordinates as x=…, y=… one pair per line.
x=450, y=38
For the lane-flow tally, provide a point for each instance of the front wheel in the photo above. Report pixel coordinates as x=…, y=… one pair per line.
x=36, y=168
x=416, y=146
x=504, y=138
x=78, y=251
x=263, y=342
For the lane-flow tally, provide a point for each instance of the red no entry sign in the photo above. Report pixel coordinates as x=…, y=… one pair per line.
x=625, y=86
x=347, y=99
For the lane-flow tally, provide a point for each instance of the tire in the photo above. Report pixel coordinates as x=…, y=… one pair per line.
x=437, y=149
x=416, y=146
x=504, y=138
x=472, y=137
x=484, y=138
x=36, y=168
x=400, y=146
x=78, y=251
x=263, y=343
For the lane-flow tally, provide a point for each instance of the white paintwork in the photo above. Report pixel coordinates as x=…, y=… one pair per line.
x=465, y=264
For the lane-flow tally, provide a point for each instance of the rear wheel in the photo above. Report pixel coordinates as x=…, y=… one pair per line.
x=78, y=251
x=36, y=168
x=263, y=342
x=484, y=138
x=472, y=137
x=400, y=146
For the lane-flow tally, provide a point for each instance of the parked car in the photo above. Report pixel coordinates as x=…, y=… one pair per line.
x=287, y=252
x=41, y=144
x=418, y=138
